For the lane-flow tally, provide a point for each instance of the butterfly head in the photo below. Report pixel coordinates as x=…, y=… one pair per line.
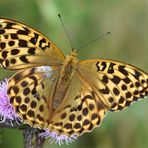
x=70, y=61
x=72, y=56
x=74, y=53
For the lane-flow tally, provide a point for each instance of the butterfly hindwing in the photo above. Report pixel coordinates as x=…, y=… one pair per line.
x=29, y=91
x=21, y=47
x=117, y=84
x=80, y=111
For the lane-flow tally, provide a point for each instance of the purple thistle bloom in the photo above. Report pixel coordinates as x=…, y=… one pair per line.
x=7, y=112
x=60, y=139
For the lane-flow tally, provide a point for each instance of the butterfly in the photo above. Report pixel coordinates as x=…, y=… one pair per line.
x=59, y=93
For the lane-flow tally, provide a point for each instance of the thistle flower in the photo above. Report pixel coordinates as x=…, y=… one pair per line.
x=7, y=112
x=59, y=139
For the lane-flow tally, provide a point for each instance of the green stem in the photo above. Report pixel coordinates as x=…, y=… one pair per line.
x=31, y=139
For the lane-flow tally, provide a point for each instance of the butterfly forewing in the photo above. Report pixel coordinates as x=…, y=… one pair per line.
x=22, y=47
x=117, y=84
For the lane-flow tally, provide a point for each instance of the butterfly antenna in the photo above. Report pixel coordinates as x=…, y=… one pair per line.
x=93, y=40
x=66, y=31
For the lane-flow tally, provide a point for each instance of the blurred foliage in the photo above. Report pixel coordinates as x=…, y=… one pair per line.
x=86, y=20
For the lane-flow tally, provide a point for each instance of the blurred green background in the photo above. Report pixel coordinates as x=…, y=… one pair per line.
x=85, y=20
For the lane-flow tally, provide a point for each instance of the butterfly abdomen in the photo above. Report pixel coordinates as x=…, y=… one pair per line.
x=65, y=77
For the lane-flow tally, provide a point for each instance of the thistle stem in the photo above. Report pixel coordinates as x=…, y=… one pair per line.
x=31, y=139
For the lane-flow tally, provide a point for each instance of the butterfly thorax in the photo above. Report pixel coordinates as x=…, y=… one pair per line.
x=66, y=74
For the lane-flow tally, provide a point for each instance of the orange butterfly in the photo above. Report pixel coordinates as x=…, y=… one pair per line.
x=66, y=96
